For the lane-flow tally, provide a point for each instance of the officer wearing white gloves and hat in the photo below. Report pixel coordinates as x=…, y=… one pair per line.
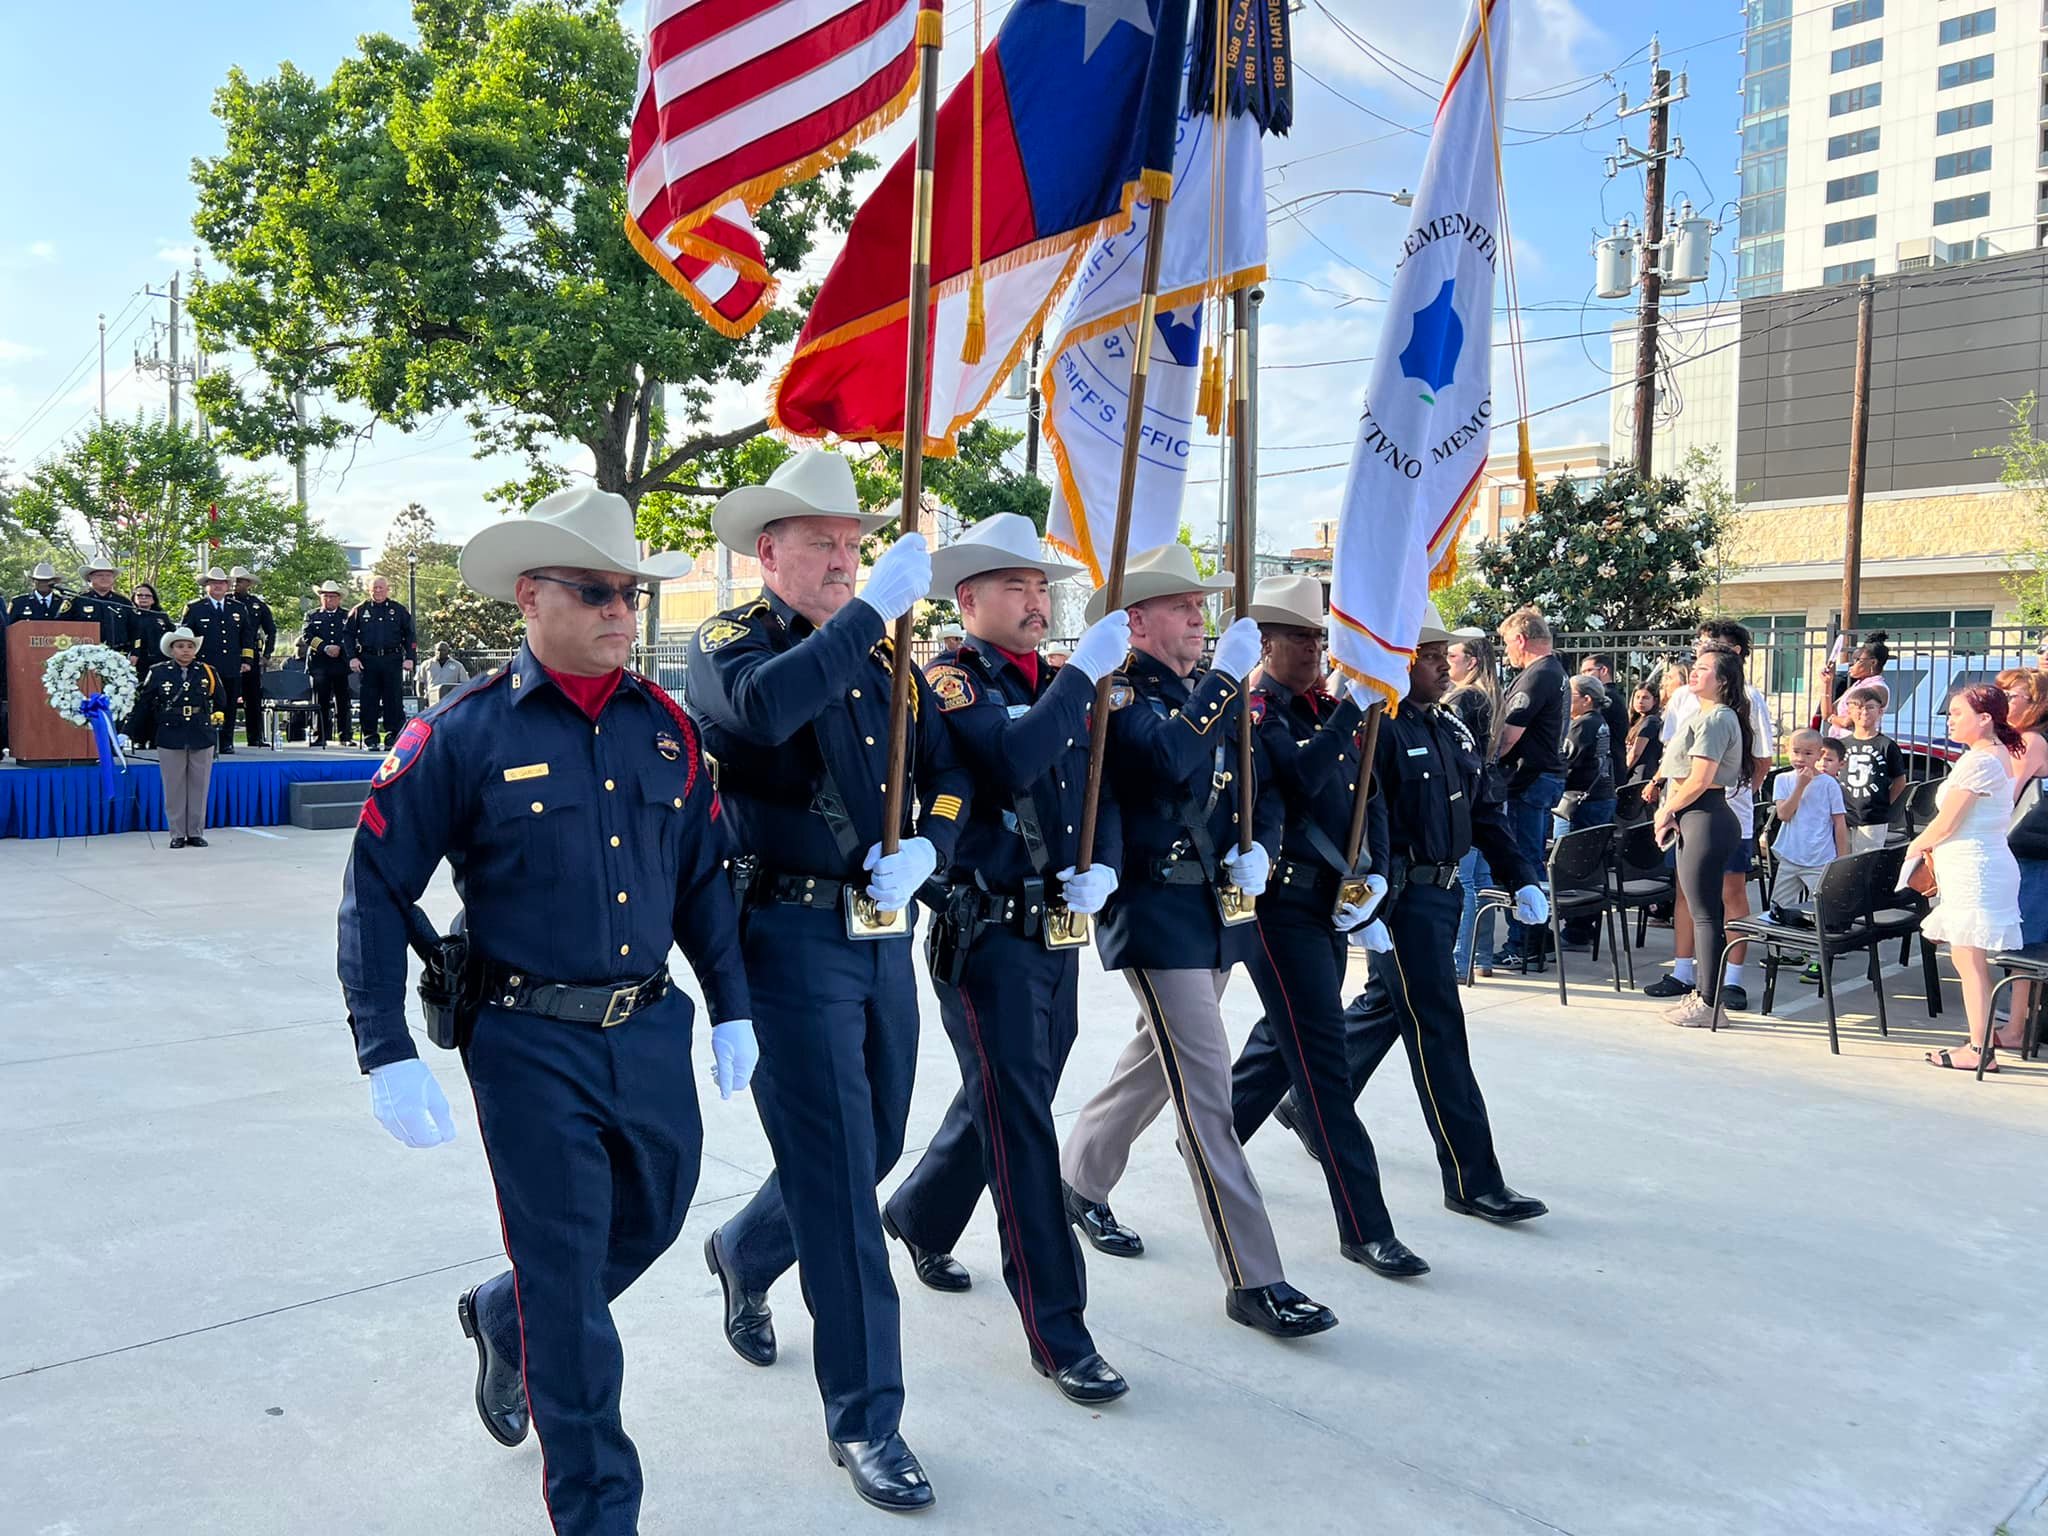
x=575, y=804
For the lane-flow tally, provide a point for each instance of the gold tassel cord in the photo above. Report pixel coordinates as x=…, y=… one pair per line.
x=975, y=343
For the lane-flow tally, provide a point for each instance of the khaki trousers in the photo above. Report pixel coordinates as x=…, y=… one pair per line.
x=1180, y=1053
x=186, y=777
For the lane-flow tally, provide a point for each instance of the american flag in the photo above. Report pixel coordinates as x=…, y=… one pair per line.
x=740, y=98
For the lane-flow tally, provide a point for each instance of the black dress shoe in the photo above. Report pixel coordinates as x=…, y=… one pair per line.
x=1388, y=1256
x=500, y=1383
x=940, y=1271
x=1095, y=1221
x=884, y=1472
x=749, y=1325
x=195, y=842
x=227, y=751
x=1089, y=1381
x=1280, y=1310
x=1291, y=1117
x=177, y=842
x=1503, y=1209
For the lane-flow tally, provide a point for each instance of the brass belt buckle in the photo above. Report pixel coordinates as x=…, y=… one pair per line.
x=1236, y=906
x=1063, y=928
x=1352, y=891
x=623, y=998
x=866, y=920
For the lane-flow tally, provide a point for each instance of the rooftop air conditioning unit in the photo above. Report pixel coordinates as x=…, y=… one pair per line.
x=1915, y=253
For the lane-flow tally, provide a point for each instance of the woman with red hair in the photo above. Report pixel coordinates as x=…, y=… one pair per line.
x=1978, y=909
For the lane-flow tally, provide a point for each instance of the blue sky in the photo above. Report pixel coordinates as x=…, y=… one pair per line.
x=108, y=106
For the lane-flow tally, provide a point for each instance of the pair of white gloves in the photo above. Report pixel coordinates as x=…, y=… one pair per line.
x=1356, y=919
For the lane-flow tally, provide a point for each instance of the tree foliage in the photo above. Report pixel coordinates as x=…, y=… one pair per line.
x=2024, y=457
x=1622, y=554
x=440, y=227
x=471, y=623
x=422, y=569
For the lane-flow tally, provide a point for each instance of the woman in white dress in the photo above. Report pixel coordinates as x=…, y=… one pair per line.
x=1977, y=910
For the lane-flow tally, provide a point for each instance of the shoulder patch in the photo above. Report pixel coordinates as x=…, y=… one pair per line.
x=720, y=631
x=1258, y=707
x=1121, y=693
x=404, y=752
x=954, y=688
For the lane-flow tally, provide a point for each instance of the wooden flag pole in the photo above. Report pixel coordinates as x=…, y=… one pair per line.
x=1351, y=890
x=916, y=374
x=1126, y=493
x=1241, y=536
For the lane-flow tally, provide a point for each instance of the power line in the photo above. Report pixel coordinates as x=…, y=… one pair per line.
x=70, y=378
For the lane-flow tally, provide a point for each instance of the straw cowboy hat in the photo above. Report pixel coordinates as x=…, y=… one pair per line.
x=1005, y=542
x=216, y=574
x=1433, y=630
x=816, y=483
x=330, y=586
x=171, y=639
x=1296, y=601
x=584, y=529
x=240, y=573
x=1166, y=571
x=44, y=571
x=97, y=565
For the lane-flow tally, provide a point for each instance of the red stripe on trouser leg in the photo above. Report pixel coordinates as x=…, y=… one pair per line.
x=1308, y=1082
x=1008, y=1226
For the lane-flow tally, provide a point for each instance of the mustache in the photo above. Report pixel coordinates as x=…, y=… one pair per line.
x=838, y=579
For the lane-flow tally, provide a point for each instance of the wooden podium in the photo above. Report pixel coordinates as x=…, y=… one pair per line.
x=36, y=733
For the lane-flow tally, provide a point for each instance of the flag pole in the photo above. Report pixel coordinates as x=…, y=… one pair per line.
x=1241, y=535
x=914, y=413
x=1351, y=889
x=1126, y=493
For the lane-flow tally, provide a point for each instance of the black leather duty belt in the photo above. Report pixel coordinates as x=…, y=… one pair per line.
x=1002, y=909
x=602, y=1006
x=1442, y=876
x=381, y=650
x=767, y=888
x=1297, y=875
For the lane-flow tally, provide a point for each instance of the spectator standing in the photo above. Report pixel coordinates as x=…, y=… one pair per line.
x=1475, y=699
x=1865, y=680
x=1644, y=747
x=1977, y=909
x=442, y=676
x=1873, y=775
x=1709, y=758
x=2026, y=698
x=1813, y=827
x=1601, y=668
x=1531, y=741
x=1588, y=757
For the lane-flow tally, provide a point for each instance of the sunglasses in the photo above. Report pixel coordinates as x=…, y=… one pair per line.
x=598, y=594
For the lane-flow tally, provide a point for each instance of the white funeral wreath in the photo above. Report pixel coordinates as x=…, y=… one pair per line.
x=66, y=670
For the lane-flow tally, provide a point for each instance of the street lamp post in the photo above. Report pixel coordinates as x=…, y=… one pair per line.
x=412, y=581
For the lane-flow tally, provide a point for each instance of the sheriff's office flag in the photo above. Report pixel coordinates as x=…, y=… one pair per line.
x=740, y=98
x=1428, y=418
x=1093, y=336
x=1078, y=112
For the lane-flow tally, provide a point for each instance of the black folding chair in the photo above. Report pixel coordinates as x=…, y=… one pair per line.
x=1628, y=806
x=1899, y=914
x=1578, y=888
x=2028, y=964
x=1637, y=880
x=1920, y=806
x=1840, y=922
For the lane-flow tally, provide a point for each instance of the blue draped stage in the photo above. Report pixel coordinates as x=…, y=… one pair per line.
x=249, y=790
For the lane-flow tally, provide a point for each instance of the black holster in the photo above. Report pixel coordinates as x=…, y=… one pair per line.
x=451, y=983
x=953, y=935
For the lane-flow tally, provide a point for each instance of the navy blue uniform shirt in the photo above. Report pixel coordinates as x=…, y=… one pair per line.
x=1021, y=740
x=1312, y=742
x=33, y=607
x=258, y=624
x=110, y=613
x=581, y=851
x=381, y=628
x=223, y=634
x=175, y=706
x=1172, y=739
x=779, y=701
x=1431, y=803
x=325, y=627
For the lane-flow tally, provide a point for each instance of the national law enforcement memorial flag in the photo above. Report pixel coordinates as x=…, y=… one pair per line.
x=1426, y=427
x=1092, y=336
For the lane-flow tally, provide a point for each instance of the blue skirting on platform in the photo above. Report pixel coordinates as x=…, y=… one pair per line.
x=247, y=791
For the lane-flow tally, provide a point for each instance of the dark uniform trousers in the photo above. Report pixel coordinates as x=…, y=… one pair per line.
x=585, y=1210
x=1012, y=1019
x=331, y=700
x=837, y=1024
x=1301, y=1044
x=383, y=697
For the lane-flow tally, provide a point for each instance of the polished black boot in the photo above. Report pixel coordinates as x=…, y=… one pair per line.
x=1503, y=1209
x=1280, y=1310
x=1096, y=1222
x=749, y=1325
x=1290, y=1115
x=1387, y=1256
x=1090, y=1381
x=940, y=1271
x=500, y=1383
x=884, y=1472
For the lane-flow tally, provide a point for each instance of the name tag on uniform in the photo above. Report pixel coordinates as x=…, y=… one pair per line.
x=1019, y=711
x=530, y=771
x=1418, y=751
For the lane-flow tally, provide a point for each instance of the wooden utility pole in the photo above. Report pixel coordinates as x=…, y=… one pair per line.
x=1653, y=257
x=1033, y=403
x=1859, y=448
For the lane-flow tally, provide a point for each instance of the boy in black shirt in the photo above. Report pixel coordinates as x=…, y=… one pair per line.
x=1873, y=775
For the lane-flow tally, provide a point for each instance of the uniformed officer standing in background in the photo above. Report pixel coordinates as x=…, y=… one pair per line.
x=1429, y=806
x=381, y=646
x=1007, y=999
x=260, y=627
x=42, y=602
x=792, y=692
x=577, y=811
x=1311, y=739
x=100, y=604
x=1172, y=765
x=324, y=645
x=224, y=644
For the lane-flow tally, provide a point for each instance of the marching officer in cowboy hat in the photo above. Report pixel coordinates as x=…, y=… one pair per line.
x=1310, y=733
x=224, y=642
x=100, y=604
x=260, y=627
x=1172, y=761
x=1430, y=805
x=324, y=644
x=792, y=693
x=575, y=805
x=1007, y=997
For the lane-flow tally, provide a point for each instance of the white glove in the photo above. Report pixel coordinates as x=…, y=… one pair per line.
x=1103, y=646
x=1372, y=936
x=1089, y=891
x=1248, y=870
x=899, y=578
x=1237, y=648
x=734, y=1053
x=410, y=1104
x=898, y=876
x=1350, y=916
x=1532, y=906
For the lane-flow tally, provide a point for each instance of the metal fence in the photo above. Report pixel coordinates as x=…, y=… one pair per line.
x=1790, y=666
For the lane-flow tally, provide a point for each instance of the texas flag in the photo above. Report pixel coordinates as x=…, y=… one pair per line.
x=1078, y=119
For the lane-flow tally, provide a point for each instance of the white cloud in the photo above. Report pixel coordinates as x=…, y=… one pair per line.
x=17, y=352
x=43, y=250
x=177, y=255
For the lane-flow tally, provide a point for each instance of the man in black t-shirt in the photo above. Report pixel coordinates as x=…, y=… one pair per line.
x=1615, y=711
x=1873, y=775
x=1531, y=744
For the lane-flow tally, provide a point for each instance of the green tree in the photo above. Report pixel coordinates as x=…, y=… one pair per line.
x=2024, y=460
x=440, y=227
x=1469, y=601
x=417, y=563
x=471, y=623
x=282, y=545
x=141, y=489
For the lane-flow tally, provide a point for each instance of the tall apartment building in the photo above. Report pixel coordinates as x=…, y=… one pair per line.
x=1885, y=135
